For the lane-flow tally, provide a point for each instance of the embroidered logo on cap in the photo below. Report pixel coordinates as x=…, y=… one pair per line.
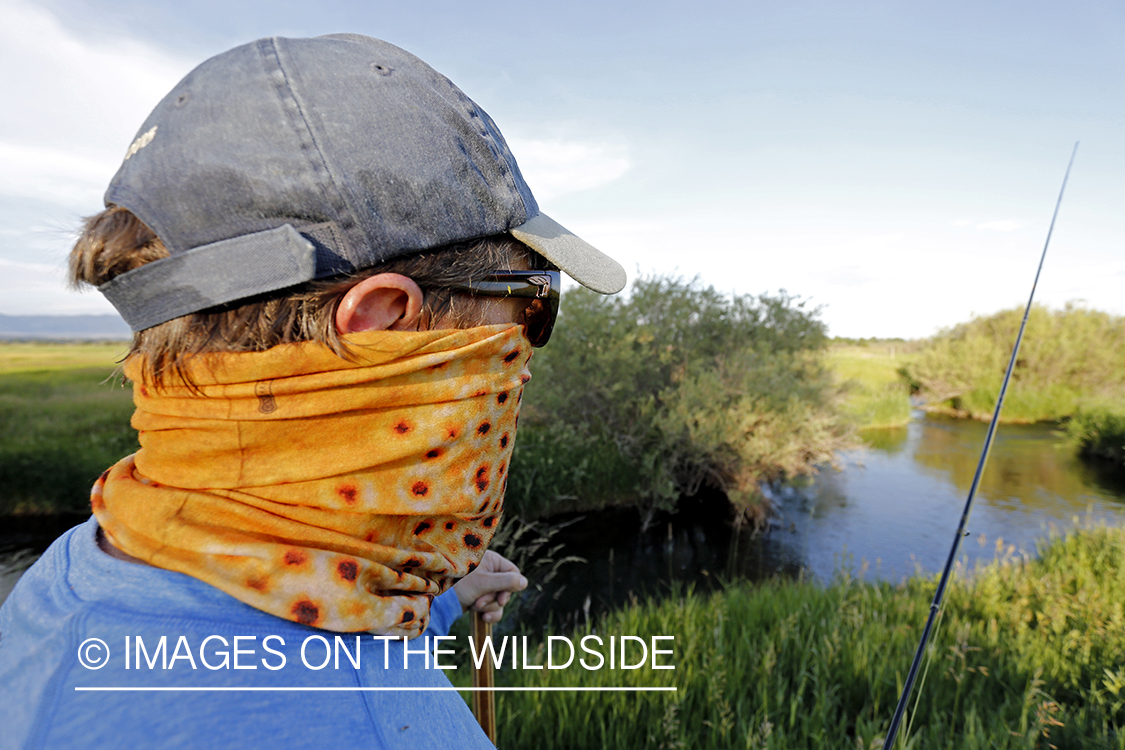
x=142, y=141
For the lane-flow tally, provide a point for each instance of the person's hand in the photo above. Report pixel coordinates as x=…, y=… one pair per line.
x=489, y=587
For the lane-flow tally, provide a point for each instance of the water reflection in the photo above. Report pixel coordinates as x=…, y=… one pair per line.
x=1028, y=464
x=892, y=510
x=1105, y=476
x=896, y=504
x=692, y=548
x=888, y=440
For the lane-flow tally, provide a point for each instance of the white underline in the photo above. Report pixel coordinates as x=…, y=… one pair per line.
x=375, y=689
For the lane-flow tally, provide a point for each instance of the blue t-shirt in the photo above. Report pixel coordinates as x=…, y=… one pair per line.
x=76, y=593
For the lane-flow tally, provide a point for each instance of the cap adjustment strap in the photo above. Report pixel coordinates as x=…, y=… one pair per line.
x=211, y=275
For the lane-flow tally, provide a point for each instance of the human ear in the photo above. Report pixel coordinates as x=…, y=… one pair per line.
x=383, y=302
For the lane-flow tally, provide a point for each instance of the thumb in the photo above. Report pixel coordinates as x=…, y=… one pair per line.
x=503, y=582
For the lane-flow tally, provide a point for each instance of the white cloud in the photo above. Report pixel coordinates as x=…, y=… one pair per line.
x=15, y=266
x=53, y=174
x=906, y=284
x=999, y=226
x=556, y=167
x=73, y=106
x=40, y=289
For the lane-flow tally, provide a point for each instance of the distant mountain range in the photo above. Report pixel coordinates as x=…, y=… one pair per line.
x=61, y=327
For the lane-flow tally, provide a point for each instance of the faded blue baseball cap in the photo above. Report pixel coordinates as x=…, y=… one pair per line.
x=287, y=160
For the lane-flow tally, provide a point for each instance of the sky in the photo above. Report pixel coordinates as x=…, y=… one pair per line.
x=894, y=163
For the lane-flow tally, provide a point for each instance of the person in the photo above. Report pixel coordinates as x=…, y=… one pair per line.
x=335, y=273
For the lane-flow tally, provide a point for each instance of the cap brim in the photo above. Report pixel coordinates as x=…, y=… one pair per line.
x=580, y=260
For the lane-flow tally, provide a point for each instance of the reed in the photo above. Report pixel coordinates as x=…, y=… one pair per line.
x=1029, y=654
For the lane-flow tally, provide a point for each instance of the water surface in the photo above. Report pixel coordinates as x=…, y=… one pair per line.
x=890, y=511
x=896, y=505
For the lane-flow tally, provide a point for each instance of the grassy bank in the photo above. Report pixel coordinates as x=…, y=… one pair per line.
x=874, y=393
x=1099, y=433
x=1070, y=360
x=1029, y=655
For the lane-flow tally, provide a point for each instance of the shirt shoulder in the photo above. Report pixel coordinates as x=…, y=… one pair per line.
x=97, y=652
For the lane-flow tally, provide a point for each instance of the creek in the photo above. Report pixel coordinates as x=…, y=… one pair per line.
x=891, y=510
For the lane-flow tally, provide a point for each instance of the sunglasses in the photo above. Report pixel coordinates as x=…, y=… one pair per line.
x=542, y=287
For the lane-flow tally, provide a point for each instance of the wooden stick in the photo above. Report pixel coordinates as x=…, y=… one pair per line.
x=484, y=701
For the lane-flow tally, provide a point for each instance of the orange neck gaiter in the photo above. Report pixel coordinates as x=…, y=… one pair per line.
x=334, y=493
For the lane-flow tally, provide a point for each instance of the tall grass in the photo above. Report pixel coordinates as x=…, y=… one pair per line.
x=1030, y=653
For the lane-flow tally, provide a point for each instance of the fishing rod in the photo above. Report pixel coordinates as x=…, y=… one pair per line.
x=935, y=607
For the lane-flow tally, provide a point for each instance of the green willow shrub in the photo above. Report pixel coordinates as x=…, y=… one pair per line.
x=1068, y=358
x=646, y=398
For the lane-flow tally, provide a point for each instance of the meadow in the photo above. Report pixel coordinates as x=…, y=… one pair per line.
x=873, y=391
x=38, y=356
x=65, y=421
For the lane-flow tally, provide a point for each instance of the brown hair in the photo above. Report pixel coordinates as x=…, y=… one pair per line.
x=115, y=241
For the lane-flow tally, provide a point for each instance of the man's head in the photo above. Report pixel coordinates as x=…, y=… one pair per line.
x=278, y=175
